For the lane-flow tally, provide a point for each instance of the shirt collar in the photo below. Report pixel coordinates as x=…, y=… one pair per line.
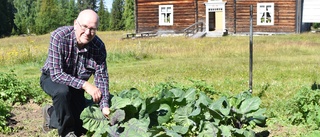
x=76, y=44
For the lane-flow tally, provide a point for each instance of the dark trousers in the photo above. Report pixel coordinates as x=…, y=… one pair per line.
x=68, y=103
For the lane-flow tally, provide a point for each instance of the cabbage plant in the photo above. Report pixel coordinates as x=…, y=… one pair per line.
x=176, y=113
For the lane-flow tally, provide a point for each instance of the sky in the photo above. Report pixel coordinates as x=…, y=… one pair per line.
x=108, y=4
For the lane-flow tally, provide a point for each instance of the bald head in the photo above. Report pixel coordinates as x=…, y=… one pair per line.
x=85, y=26
x=88, y=15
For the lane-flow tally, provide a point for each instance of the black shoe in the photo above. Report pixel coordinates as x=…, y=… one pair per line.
x=46, y=117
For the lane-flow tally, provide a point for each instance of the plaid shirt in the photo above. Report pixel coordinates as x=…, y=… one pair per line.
x=72, y=66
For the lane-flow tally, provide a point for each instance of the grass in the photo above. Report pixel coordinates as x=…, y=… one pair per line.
x=282, y=64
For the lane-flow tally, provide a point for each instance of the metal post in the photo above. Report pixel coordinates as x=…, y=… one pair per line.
x=235, y=16
x=251, y=51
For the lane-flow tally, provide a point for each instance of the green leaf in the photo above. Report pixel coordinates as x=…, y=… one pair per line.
x=259, y=120
x=152, y=107
x=113, y=131
x=209, y=130
x=178, y=93
x=166, y=94
x=118, y=103
x=143, y=109
x=93, y=118
x=249, y=105
x=171, y=133
x=259, y=112
x=226, y=130
x=180, y=129
x=203, y=99
x=132, y=94
x=137, y=102
x=236, y=101
x=100, y=132
x=207, y=115
x=196, y=111
x=221, y=106
x=216, y=116
x=136, y=128
x=190, y=95
x=164, y=113
x=249, y=133
x=243, y=133
x=181, y=116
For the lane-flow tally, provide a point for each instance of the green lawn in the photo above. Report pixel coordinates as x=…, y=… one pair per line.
x=282, y=65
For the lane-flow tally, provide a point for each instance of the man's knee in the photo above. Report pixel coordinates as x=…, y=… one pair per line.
x=61, y=91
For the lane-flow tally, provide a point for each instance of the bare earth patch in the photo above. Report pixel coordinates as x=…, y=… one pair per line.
x=27, y=120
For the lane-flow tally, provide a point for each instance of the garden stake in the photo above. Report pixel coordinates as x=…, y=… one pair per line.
x=251, y=51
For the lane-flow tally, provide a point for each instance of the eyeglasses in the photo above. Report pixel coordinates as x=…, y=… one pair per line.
x=85, y=28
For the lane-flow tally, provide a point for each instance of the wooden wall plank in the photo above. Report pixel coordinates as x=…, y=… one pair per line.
x=185, y=15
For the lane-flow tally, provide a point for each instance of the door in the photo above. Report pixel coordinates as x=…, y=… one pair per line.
x=212, y=21
x=215, y=16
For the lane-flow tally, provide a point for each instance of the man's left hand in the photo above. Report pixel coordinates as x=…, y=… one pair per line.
x=106, y=112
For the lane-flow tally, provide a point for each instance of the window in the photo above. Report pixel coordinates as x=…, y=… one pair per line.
x=166, y=15
x=265, y=13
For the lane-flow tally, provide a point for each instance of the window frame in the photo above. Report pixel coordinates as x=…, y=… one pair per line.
x=262, y=13
x=161, y=18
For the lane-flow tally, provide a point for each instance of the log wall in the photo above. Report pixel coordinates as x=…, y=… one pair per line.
x=188, y=12
x=284, y=16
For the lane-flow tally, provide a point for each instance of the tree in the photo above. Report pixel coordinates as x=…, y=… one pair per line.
x=69, y=11
x=25, y=15
x=6, y=17
x=103, y=16
x=116, y=22
x=48, y=17
x=128, y=15
x=87, y=4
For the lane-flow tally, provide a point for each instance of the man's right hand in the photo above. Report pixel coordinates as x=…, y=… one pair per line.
x=93, y=91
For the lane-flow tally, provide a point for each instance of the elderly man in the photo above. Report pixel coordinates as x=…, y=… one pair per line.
x=75, y=53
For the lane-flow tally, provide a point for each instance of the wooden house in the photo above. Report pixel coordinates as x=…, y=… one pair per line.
x=218, y=16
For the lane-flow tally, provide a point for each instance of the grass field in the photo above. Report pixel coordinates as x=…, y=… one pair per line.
x=282, y=65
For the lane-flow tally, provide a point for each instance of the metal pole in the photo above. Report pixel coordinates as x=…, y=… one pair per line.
x=251, y=51
x=235, y=16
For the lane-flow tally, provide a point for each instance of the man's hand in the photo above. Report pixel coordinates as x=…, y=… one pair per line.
x=93, y=91
x=106, y=111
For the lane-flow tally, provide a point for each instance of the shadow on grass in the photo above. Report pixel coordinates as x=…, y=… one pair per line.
x=263, y=134
x=315, y=86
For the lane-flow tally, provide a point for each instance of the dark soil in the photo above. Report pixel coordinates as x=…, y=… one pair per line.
x=26, y=121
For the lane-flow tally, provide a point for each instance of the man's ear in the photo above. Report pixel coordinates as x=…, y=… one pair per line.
x=74, y=23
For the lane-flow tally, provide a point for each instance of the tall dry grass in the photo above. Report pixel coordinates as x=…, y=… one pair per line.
x=22, y=49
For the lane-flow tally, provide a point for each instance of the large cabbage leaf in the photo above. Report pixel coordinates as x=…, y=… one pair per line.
x=93, y=118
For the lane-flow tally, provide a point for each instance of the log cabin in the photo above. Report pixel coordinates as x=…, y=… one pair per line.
x=218, y=16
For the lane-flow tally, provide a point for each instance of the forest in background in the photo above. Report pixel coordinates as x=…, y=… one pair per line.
x=43, y=16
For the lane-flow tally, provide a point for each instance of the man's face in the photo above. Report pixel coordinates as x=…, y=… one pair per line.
x=85, y=30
